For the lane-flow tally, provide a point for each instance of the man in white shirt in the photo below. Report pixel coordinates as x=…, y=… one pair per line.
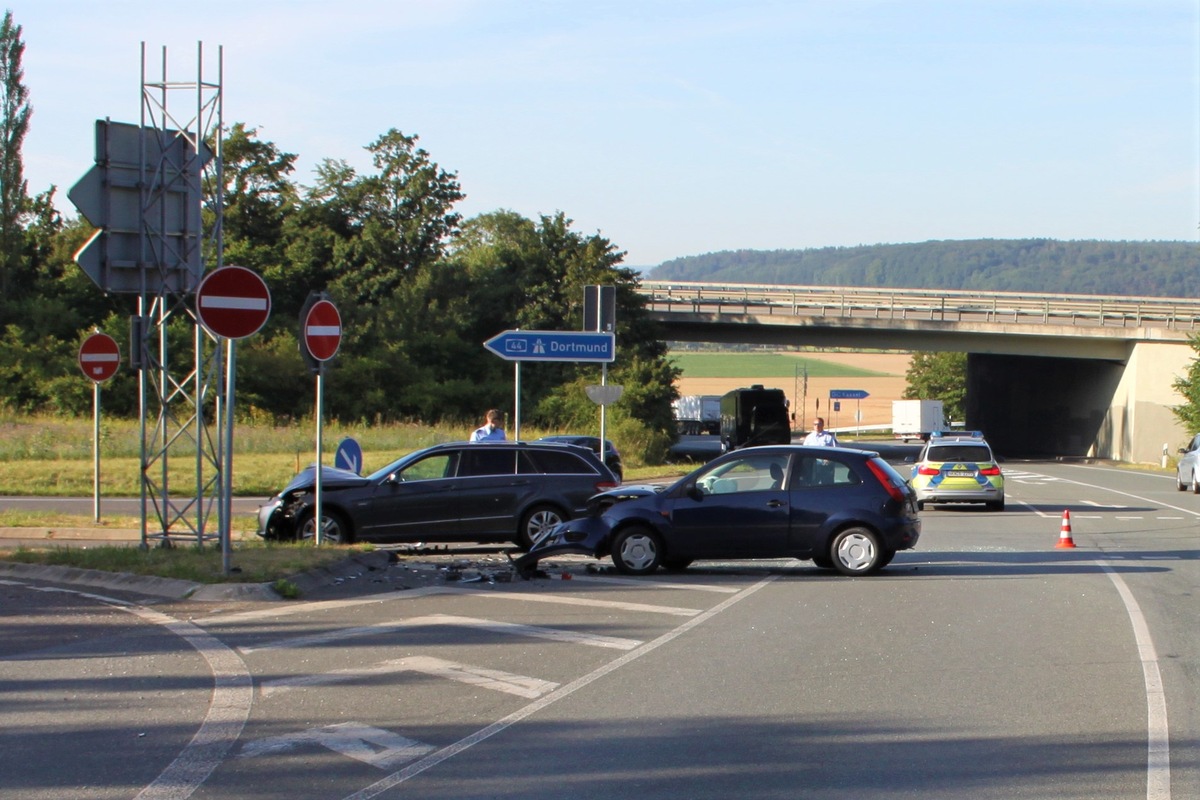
x=819, y=437
x=492, y=429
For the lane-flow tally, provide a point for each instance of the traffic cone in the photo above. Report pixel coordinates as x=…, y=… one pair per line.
x=1064, y=538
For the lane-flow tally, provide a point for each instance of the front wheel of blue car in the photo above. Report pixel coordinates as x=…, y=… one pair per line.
x=637, y=551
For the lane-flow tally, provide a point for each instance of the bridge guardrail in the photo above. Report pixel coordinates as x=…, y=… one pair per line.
x=1174, y=313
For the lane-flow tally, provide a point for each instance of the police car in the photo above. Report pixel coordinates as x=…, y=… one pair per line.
x=958, y=468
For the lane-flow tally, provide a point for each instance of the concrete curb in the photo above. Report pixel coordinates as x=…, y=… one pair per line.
x=169, y=588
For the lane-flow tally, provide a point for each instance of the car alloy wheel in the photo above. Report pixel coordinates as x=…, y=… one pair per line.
x=334, y=529
x=538, y=521
x=856, y=551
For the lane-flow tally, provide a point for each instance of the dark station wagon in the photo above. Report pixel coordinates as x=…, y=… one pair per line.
x=456, y=492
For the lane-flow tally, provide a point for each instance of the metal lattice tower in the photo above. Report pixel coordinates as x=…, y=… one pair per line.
x=181, y=238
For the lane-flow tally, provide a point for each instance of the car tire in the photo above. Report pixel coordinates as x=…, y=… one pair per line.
x=1179, y=484
x=997, y=505
x=334, y=527
x=1195, y=484
x=637, y=551
x=888, y=555
x=823, y=562
x=920, y=505
x=536, y=522
x=856, y=551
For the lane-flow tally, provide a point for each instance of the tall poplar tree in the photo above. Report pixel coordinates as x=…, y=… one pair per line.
x=13, y=125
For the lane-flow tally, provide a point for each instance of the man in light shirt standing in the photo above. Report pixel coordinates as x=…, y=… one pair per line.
x=819, y=437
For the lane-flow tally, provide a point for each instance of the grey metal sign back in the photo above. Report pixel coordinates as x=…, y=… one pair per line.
x=144, y=195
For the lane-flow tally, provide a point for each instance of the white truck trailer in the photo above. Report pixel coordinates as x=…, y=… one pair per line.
x=698, y=413
x=917, y=419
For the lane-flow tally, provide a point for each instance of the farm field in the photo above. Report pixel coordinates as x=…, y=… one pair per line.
x=881, y=375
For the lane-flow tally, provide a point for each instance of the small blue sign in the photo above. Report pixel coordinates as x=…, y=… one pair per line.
x=349, y=456
x=553, y=346
x=848, y=394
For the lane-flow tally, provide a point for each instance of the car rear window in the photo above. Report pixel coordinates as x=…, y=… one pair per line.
x=554, y=462
x=813, y=471
x=959, y=452
x=487, y=459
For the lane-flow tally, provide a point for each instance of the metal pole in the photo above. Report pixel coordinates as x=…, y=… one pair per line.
x=96, y=452
x=517, y=401
x=225, y=500
x=603, y=382
x=317, y=479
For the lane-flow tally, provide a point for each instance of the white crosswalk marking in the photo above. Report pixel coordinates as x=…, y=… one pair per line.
x=494, y=679
x=552, y=634
x=379, y=748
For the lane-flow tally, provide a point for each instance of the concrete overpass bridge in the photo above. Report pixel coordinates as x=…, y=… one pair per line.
x=1047, y=375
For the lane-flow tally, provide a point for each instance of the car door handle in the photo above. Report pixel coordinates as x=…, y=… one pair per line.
x=775, y=504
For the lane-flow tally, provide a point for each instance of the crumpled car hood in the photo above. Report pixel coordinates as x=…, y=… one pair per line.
x=331, y=478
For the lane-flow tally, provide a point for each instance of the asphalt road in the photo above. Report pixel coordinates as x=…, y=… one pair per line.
x=988, y=663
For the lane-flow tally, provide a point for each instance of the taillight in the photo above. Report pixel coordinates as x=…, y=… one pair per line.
x=604, y=486
x=991, y=471
x=885, y=479
x=927, y=470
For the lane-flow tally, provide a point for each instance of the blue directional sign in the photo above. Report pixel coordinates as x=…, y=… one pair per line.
x=349, y=456
x=553, y=346
x=848, y=394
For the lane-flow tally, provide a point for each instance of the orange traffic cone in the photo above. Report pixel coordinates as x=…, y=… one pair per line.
x=1064, y=538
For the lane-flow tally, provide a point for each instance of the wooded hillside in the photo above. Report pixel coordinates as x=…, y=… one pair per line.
x=1150, y=269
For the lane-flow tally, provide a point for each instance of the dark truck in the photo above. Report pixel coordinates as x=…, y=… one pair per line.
x=754, y=416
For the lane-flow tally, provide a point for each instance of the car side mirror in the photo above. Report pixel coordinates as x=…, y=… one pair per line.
x=693, y=491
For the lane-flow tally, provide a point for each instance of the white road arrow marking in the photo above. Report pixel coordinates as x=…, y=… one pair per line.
x=494, y=679
x=379, y=748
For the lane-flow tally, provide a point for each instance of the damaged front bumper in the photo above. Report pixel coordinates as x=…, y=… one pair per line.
x=586, y=536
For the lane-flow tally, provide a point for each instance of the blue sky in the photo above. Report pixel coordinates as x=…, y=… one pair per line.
x=678, y=128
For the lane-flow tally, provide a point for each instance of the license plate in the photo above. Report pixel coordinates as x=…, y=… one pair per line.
x=958, y=473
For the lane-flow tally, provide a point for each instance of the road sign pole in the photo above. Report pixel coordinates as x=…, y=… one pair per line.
x=517, y=400
x=226, y=499
x=96, y=452
x=317, y=478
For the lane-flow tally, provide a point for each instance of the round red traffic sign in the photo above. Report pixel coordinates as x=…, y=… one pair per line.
x=322, y=330
x=99, y=357
x=233, y=302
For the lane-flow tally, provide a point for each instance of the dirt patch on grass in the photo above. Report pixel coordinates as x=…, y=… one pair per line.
x=876, y=409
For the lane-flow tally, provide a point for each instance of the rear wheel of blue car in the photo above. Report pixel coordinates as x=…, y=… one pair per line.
x=536, y=523
x=334, y=528
x=856, y=551
x=637, y=551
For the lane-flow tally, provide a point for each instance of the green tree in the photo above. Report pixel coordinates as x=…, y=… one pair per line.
x=14, y=123
x=939, y=376
x=1188, y=386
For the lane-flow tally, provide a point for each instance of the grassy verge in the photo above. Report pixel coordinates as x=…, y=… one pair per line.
x=254, y=562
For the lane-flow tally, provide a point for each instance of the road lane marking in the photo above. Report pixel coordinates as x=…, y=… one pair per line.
x=446, y=620
x=228, y=706
x=494, y=679
x=1158, y=738
x=374, y=746
x=433, y=759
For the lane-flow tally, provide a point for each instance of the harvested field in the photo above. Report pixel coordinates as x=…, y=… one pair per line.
x=876, y=409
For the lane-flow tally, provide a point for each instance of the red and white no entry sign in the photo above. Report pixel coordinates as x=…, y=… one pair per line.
x=99, y=357
x=322, y=330
x=233, y=302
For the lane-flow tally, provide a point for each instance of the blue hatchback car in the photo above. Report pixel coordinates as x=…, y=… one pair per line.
x=842, y=508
